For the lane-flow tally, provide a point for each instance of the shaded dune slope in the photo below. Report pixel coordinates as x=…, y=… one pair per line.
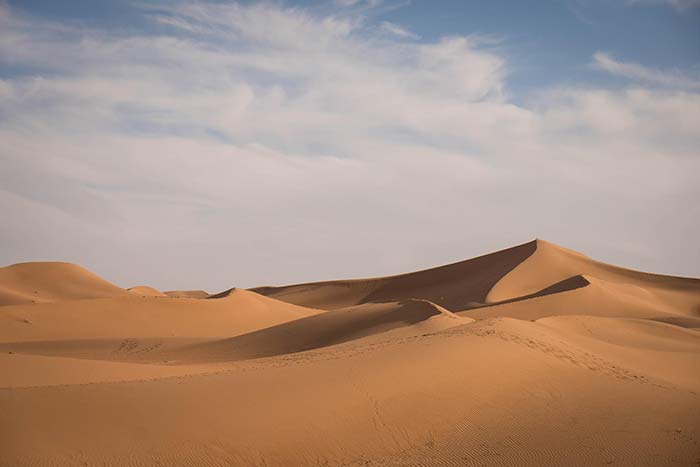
x=376, y=321
x=454, y=286
x=52, y=281
x=572, y=283
x=597, y=298
x=410, y=317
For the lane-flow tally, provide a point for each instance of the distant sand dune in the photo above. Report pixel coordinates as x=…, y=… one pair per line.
x=145, y=290
x=51, y=281
x=527, y=271
x=531, y=356
x=137, y=316
x=187, y=293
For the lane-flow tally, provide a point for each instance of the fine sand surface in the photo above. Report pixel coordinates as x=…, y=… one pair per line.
x=535, y=355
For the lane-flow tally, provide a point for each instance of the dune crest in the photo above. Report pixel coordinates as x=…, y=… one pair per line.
x=454, y=286
x=187, y=293
x=408, y=317
x=527, y=271
x=550, y=263
x=146, y=291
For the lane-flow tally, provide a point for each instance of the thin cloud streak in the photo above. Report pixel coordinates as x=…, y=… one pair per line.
x=398, y=31
x=636, y=72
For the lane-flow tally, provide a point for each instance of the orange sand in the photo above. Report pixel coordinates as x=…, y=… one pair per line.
x=534, y=355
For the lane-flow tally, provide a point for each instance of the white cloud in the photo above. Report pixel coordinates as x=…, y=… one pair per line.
x=636, y=72
x=367, y=3
x=268, y=144
x=397, y=30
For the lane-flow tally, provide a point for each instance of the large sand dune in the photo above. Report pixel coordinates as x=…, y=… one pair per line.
x=534, y=355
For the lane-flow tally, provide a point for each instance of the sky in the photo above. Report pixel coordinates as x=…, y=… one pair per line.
x=193, y=144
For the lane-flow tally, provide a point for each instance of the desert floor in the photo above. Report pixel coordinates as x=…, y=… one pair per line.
x=534, y=355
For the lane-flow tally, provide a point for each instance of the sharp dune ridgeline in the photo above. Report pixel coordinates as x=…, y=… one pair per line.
x=534, y=355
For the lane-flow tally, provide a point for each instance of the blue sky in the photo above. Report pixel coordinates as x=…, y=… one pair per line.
x=547, y=42
x=345, y=138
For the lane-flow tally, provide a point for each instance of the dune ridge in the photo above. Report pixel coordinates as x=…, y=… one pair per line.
x=526, y=271
x=145, y=290
x=187, y=293
x=453, y=286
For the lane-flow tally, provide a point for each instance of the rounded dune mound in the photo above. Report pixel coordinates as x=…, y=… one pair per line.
x=50, y=282
x=146, y=291
x=409, y=317
x=186, y=293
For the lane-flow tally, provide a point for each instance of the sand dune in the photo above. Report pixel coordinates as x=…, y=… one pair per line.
x=411, y=317
x=528, y=271
x=496, y=392
x=597, y=298
x=145, y=290
x=517, y=272
x=130, y=317
x=534, y=355
x=187, y=293
x=50, y=282
x=455, y=286
x=382, y=321
x=27, y=370
x=636, y=345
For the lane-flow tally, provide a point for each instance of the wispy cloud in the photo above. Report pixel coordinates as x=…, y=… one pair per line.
x=255, y=135
x=369, y=3
x=397, y=30
x=636, y=72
